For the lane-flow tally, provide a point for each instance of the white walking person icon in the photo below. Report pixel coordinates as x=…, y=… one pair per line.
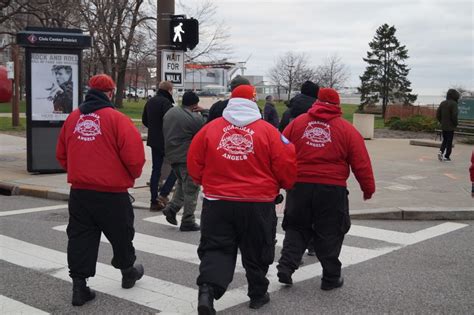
x=177, y=33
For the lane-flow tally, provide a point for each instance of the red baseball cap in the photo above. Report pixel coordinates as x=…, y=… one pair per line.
x=244, y=91
x=329, y=95
x=102, y=82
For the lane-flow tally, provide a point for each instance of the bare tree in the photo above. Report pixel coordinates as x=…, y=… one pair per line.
x=290, y=71
x=113, y=24
x=333, y=73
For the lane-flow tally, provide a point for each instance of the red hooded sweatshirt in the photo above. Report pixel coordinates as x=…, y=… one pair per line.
x=100, y=149
x=240, y=157
x=327, y=146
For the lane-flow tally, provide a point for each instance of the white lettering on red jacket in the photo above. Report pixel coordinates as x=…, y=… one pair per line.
x=328, y=147
x=240, y=157
x=88, y=127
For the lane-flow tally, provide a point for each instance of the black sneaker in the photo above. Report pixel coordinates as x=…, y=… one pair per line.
x=259, y=302
x=206, y=300
x=189, y=227
x=170, y=216
x=447, y=159
x=284, y=278
x=132, y=275
x=326, y=286
x=440, y=156
x=81, y=293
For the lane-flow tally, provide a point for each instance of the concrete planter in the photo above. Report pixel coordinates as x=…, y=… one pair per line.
x=364, y=123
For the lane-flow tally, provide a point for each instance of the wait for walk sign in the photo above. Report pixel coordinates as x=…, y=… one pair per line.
x=172, y=67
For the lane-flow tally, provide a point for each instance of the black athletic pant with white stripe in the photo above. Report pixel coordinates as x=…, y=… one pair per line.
x=227, y=226
x=320, y=212
x=90, y=213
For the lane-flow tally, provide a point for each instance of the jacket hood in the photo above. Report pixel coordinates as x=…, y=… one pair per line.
x=325, y=111
x=241, y=112
x=453, y=95
x=95, y=100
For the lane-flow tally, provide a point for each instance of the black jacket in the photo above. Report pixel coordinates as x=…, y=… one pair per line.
x=216, y=109
x=152, y=117
x=447, y=113
x=300, y=104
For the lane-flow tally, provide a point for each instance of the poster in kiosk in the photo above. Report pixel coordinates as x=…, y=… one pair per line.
x=53, y=59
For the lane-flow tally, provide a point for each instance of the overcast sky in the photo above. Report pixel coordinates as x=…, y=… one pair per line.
x=437, y=33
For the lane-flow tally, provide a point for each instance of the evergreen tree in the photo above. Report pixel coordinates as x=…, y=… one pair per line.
x=385, y=77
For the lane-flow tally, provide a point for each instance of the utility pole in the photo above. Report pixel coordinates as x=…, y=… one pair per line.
x=165, y=9
x=16, y=86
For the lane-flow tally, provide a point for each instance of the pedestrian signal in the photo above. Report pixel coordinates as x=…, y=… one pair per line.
x=184, y=33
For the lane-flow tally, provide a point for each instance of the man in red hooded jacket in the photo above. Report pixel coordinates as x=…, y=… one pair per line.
x=241, y=161
x=327, y=147
x=103, y=154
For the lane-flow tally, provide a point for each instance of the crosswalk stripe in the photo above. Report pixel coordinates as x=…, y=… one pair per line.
x=10, y=306
x=31, y=210
x=151, y=292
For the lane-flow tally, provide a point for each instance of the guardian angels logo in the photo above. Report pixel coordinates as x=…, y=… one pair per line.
x=88, y=126
x=318, y=133
x=237, y=146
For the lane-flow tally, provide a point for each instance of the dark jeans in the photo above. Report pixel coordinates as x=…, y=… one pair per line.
x=157, y=160
x=318, y=212
x=227, y=226
x=447, y=143
x=90, y=214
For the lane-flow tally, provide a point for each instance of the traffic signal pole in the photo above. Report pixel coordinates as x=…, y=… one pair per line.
x=165, y=9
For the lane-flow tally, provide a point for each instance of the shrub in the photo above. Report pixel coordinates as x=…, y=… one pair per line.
x=413, y=123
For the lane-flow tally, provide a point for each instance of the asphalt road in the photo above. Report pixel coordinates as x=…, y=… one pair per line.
x=390, y=267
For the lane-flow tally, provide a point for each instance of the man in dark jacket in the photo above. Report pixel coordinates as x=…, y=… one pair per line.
x=102, y=152
x=447, y=115
x=180, y=124
x=152, y=117
x=218, y=107
x=269, y=112
x=300, y=103
x=327, y=148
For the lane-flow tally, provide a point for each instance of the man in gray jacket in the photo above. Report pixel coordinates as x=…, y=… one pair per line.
x=180, y=124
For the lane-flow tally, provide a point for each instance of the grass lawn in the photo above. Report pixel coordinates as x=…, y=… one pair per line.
x=6, y=124
x=7, y=107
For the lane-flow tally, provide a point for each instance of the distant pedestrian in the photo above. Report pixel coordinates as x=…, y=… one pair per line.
x=269, y=112
x=327, y=148
x=102, y=152
x=218, y=107
x=300, y=103
x=241, y=162
x=152, y=117
x=447, y=115
x=180, y=124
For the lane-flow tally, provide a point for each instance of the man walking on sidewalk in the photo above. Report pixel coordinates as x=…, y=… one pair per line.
x=327, y=147
x=180, y=124
x=152, y=117
x=241, y=162
x=447, y=115
x=102, y=152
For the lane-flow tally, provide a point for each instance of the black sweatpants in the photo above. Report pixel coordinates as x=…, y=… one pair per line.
x=227, y=226
x=90, y=213
x=320, y=212
x=447, y=143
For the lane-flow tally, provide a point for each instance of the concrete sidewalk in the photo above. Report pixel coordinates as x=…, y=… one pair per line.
x=411, y=183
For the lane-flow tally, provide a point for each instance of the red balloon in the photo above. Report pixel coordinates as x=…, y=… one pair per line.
x=5, y=86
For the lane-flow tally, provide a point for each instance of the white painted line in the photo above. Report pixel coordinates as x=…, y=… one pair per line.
x=399, y=187
x=10, y=306
x=31, y=210
x=412, y=177
x=151, y=292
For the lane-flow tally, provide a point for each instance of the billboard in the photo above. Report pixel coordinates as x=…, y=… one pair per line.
x=55, y=92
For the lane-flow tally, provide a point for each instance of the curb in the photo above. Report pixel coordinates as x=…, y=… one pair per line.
x=402, y=213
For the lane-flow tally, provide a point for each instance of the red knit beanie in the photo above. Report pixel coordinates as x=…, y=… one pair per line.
x=102, y=82
x=244, y=91
x=328, y=95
